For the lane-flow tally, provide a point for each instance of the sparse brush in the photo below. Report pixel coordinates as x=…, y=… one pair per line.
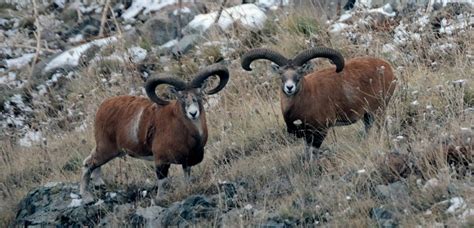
x=248, y=144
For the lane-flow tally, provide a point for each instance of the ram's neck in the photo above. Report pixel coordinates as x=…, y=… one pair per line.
x=196, y=128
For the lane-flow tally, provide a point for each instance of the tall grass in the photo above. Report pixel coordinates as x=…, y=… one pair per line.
x=248, y=143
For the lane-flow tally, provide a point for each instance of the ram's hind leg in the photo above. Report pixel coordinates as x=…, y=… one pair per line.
x=94, y=161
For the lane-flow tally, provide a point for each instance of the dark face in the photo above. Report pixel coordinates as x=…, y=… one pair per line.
x=291, y=78
x=191, y=102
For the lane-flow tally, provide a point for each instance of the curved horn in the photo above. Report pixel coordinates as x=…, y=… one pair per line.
x=323, y=52
x=262, y=53
x=215, y=69
x=153, y=82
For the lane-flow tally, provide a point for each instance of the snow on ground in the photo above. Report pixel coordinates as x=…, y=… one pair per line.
x=169, y=44
x=146, y=6
x=271, y=4
x=137, y=54
x=385, y=10
x=20, y=61
x=71, y=57
x=30, y=138
x=249, y=15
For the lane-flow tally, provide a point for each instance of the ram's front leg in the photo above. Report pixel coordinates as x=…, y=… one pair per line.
x=313, y=141
x=162, y=175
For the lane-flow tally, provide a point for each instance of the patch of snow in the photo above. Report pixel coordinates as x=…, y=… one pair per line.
x=145, y=6
x=456, y=203
x=60, y=3
x=169, y=44
x=137, y=54
x=76, y=39
x=52, y=184
x=71, y=57
x=271, y=4
x=361, y=171
x=249, y=15
x=364, y=3
x=99, y=202
x=74, y=196
x=183, y=10
x=11, y=77
x=111, y=194
x=20, y=61
x=248, y=207
x=345, y=17
x=75, y=203
x=385, y=10
x=30, y=137
x=337, y=27
x=415, y=103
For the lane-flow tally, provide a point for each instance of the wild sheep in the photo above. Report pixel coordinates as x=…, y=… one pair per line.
x=312, y=103
x=167, y=132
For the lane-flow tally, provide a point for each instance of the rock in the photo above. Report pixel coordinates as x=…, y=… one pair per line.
x=159, y=30
x=229, y=193
x=396, y=191
x=185, y=44
x=51, y=205
x=232, y=217
x=148, y=216
x=162, y=27
x=383, y=217
x=248, y=15
x=188, y=211
x=58, y=204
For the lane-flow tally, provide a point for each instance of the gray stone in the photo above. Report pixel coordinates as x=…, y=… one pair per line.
x=189, y=211
x=395, y=191
x=159, y=30
x=185, y=44
x=148, y=216
x=383, y=217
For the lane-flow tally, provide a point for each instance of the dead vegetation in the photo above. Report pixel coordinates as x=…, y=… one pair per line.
x=425, y=144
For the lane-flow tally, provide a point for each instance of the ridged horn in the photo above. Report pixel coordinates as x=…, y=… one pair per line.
x=320, y=52
x=153, y=82
x=216, y=69
x=262, y=53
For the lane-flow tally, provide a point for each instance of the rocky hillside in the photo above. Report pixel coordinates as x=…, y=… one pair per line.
x=59, y=59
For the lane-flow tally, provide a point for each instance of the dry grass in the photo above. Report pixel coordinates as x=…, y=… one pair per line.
x=248, y=143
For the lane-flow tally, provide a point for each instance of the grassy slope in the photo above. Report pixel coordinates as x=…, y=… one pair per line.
x=247, y=124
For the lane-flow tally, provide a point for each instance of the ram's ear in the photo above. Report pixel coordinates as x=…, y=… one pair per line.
x=305, y=68
x=277, y=69
x=173, y=90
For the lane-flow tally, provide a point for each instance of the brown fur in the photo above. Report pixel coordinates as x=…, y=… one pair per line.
x=163, y=132
x=327, y=98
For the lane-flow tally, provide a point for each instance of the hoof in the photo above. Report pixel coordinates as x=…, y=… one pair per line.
x=87, y=198
x=161, y=200
x=98, y=183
